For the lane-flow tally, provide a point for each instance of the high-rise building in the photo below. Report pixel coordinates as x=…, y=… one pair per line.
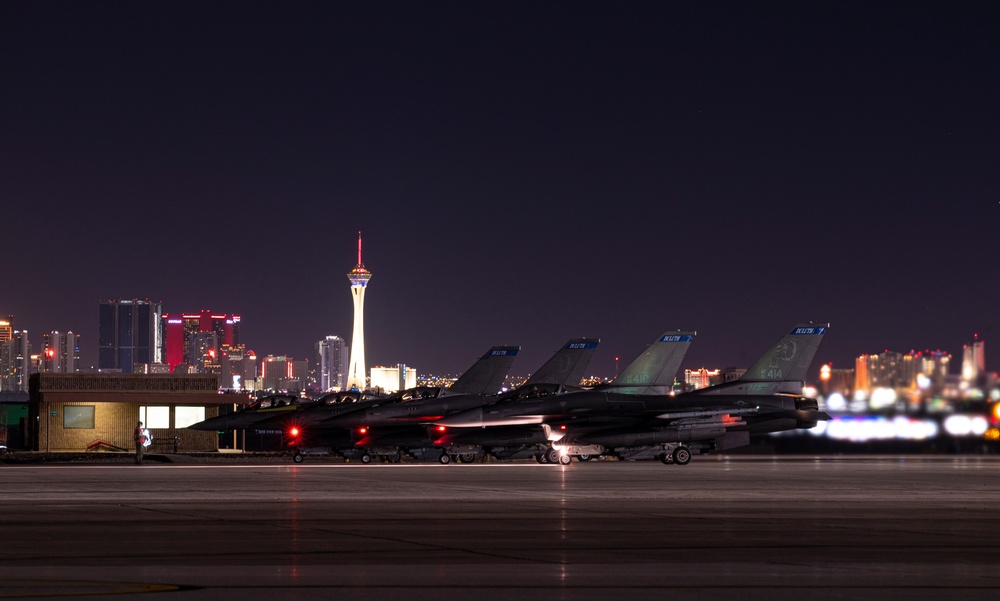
x=203, y=352
x=60, y=353
x=332, y=352
x=973, y=359
x=280, y=373
x=6, y=329
x=129, y=334
x=15, y=362
x=393, y=379
x=359, y=277
x=237, y=368
x=180, y=330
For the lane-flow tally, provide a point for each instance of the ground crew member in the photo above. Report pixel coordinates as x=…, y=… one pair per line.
x=140, y=442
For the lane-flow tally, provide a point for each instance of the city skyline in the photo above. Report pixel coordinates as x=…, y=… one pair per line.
x=524, y=173
x=970, y=360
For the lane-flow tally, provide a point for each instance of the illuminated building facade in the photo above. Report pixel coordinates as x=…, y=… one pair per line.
x=884, y=370
x=60, y=353
x=393, y=379
x=181, y=330
x=332, y=352
x=359, y=277
x=237, y=368
x=6, y=329
x=973, y=360
x=15, y=362
x=129, y=334
x=283, y=374
x=702, y=378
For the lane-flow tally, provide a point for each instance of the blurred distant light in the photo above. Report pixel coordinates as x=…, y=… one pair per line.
x=824, y=372
x=966, y=425
x=992, y=434
x=882, y=398
x=996, y=411
x=861, y=395
x=836, y=402
x=979, y=425
x=923, y=382
x=863, y=429
x=958, y=425
x=810, y=392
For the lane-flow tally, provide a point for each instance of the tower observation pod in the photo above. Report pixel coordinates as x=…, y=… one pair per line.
x=359, y=277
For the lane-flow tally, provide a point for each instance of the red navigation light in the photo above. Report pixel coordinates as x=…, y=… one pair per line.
x=362, y=430
x=441, y=428
x=562, y=427
x=293, y=432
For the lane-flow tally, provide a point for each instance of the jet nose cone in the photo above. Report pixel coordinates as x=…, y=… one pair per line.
x=213, y=423
x=471, y=418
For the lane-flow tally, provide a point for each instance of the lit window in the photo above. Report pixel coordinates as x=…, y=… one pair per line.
x=185, y=416
x=155, y=417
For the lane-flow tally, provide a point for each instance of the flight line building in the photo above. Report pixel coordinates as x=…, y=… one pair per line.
x=81, y=412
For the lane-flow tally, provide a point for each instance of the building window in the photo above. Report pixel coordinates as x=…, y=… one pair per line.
x=78, y=417
x=185, y=416
x=155, y=417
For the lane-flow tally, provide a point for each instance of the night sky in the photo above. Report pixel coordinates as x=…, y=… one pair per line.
x=522, y=172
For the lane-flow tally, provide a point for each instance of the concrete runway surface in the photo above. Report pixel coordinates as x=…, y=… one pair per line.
x=744, y=527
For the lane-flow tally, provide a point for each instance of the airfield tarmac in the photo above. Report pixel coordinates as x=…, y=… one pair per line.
x=908, y=527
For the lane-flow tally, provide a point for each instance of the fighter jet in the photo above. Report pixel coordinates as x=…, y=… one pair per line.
x=767, y=398
x=488, y=373
x=253, y=413
x=521, y=417
x=308, y=430
x=388, y=429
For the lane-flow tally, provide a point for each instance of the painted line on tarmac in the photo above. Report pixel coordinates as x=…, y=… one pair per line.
x=20, y=589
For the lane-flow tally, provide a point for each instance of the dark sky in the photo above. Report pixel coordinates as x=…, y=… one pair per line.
x=523, y=172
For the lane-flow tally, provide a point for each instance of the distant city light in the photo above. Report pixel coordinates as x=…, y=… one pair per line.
x=965, y=425
x=836, y=402
x=867, y=428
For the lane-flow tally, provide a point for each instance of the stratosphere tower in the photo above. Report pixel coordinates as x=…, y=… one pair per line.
x=359, y=277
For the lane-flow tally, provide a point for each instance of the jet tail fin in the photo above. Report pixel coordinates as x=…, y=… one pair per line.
x=783, y=368
x=486, y=376
x=568, y=365
x=653, y=371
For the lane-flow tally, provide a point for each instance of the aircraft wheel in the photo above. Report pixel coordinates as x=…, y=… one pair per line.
x=445, y=458
x=552, y=455
x=298, y=458
x=682, y=456
x=564, y=459
x=468, y=457
x=666, y=459
x=540, y=458
x=366, y=458
x=585, y=457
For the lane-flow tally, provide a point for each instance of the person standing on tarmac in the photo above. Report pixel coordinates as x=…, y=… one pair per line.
x=140, y=436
